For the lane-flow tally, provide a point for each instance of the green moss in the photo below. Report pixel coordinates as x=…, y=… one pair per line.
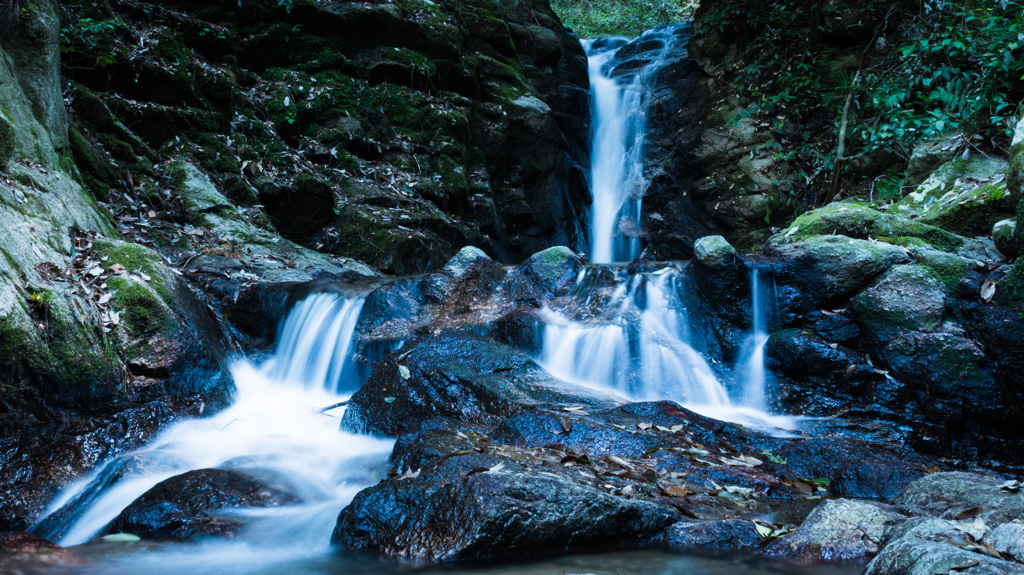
x=453, y=175
x=949, y=269
x=7, y=138
x=142, y=311
x=860, y=220
x=1010, y=291
x=136, y=258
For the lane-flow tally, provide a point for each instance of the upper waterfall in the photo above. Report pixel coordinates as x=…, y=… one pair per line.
x=620, y=89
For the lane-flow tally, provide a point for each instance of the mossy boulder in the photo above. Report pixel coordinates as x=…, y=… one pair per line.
x=820, y=270
x=964, y=196
x=1002, y=234
x=715, y=253
x=860, y=220
x=198, y=192
x=905, y=297
x=555, y=269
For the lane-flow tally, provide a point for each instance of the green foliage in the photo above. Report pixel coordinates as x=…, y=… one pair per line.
x=960, y=70
x=898, y=75
x=40, y=299
x=98, y=36
x=597, y=18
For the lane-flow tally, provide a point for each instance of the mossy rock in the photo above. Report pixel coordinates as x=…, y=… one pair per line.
x=906, y=297
x=963, y=196
x=197, y=191
x=831, y=268
x=856, y=219
x=1002, y=234
x=7, y=138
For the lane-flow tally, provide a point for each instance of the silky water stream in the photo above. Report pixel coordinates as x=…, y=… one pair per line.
x=276, y=425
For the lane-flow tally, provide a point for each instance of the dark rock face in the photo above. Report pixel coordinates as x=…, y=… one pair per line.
x=549, y=478
x=397, y=134
x=177, y=508
x=728, y=534
x=460, y=376
x=478, y=506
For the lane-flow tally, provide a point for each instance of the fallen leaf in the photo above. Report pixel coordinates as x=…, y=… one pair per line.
x=104, y=298
x=644, y=425
x=988, y=290
x=1012, y=486
x=677, y=491
x=763, y=530
x=389, y=400
x=404, y=372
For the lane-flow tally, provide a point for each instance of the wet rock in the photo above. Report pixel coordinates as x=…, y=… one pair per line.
x=178, y=508
x=455, y=375
x=725, y=534
x=462, y=261
x=904, y=297
x=1008, y=539
x=478, y=505
x=554, y=269
x=839, y=530
x=1002, y=234
x=26, y=544
x=848, y=467
x=815, y=377
x=715, y=253
x=826, y=269
x=958, y=494
x=57, y=524
x=910, y=556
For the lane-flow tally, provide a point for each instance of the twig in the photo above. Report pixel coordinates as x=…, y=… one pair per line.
x=335, y=406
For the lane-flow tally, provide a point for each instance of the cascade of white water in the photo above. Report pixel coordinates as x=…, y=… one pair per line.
x=619, y=99
x=641, y=348
x=753, y=377
x=274, y=424
x=639, y=345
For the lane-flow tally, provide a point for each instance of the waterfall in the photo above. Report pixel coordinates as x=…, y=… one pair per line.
x=635, y=339
x=752, y=374
x=640, y=348
x=620, y=80
x=313, y=346
x=275, y=425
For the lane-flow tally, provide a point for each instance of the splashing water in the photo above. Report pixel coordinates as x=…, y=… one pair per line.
x=619, y=98
x=275, y=425
x=638, y=344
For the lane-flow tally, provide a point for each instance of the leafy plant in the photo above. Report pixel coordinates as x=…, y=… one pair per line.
x=597, y=18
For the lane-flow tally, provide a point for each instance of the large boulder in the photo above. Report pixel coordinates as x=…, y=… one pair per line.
x=965, y=196
x=952, y=495
x=839, y=530
x=489, y=502
x=456, y=375
x=912, y=556
x=179, y=507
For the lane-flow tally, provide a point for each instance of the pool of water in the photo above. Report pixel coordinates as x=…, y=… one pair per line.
x=227, y=558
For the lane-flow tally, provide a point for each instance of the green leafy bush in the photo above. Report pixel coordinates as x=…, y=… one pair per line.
x=597, y=18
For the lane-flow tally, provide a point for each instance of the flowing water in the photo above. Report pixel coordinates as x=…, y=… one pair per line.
x=620, y=76
x=275, y=426
x=634, y=335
